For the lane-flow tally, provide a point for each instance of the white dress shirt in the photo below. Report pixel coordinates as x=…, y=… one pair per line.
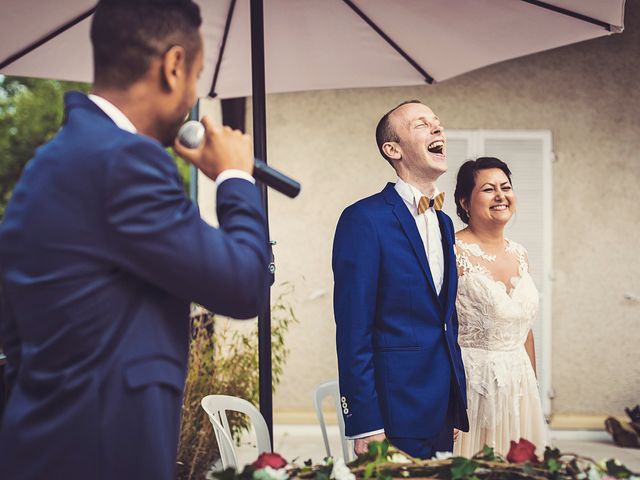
x=429, y=229
x=121, y=120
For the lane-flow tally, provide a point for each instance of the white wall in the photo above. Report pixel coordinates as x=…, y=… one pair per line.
x=588, y=96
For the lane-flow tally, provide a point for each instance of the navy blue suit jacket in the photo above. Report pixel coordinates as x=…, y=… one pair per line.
x=396, y=338
x=100, y=256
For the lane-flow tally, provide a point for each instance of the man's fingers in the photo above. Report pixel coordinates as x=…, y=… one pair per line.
x=189, y=154
x=208, y=123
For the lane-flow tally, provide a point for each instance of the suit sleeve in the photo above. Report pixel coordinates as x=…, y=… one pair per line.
x=356, y=253
x=156, y=233
x=10, y=341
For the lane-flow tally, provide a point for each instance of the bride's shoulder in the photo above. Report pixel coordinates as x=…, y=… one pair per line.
x=462, y=237
x=464, y=243
x=513, y=246
x=520, y=252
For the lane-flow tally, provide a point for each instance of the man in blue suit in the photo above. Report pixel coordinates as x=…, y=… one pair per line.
x=101, y=254
x=400, y=369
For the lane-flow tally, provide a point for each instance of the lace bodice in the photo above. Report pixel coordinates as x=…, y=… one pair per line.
x=490, y=316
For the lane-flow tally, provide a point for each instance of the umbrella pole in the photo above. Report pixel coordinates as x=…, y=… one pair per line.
x=260, y=151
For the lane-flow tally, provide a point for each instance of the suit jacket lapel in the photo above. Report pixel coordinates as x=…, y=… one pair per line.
x=451, y=273
x=408, y=224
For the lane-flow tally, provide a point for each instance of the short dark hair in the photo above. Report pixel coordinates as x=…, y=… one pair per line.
x=385, y=132
x=127, y=34
x=467, y=180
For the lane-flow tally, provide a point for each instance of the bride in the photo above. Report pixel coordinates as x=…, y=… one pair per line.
x=497, y=304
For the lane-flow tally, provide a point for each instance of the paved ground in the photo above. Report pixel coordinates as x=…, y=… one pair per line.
x=305, y=441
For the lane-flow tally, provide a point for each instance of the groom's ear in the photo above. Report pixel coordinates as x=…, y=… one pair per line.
x=392, y=150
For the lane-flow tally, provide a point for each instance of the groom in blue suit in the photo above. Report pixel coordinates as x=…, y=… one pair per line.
x=400, y=369
x=101, y=254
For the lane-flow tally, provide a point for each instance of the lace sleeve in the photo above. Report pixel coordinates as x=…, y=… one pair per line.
x=521, y=255
x=462, y=261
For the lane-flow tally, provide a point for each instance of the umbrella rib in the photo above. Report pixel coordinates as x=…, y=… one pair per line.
x=38, y=43
x=427, y=78
x=227, y=27
x=570, y=13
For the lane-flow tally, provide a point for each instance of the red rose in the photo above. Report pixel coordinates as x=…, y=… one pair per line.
x=521, y=452
x=273, y=460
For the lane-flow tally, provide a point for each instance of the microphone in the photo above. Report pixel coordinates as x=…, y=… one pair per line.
x=191, y=135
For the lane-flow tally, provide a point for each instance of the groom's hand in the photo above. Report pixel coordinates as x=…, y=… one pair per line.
x=361, y=445
x=456, y=434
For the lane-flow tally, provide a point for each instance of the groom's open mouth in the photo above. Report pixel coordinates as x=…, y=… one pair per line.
x=436, y=147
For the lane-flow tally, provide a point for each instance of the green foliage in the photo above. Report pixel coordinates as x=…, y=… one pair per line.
x=463, y=469
x=31, y=112
x=223, y=361
x=487, y=453
x=617, y=470
x=184, y=169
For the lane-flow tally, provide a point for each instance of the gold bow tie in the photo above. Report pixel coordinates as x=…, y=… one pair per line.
x=426, y=203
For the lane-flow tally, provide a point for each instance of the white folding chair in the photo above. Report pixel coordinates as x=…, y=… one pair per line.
x=216, y=407
x=331, y=389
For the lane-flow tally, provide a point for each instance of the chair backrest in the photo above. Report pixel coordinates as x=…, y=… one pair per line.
x=216, y=407
x=331, y=389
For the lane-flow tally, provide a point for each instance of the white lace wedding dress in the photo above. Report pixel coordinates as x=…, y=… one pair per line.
x=502, y=393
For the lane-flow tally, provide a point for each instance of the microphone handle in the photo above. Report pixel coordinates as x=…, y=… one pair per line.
x=275, y=179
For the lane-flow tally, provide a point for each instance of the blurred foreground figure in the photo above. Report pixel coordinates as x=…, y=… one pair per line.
x=101, y=254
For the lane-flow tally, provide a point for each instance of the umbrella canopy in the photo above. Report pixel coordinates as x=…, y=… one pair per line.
x=322, y=44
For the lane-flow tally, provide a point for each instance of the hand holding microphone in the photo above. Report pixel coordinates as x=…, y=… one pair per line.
x=214, y=149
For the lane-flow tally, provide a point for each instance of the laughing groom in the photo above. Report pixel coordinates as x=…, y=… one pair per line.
x=401, y=374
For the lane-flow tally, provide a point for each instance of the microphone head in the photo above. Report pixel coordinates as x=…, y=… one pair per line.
x=191, y=134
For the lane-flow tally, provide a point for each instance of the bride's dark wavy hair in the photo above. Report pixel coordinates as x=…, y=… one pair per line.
x=466, y=180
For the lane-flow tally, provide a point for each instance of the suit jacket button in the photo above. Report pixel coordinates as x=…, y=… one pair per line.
x=345, y=411
x=445, y=327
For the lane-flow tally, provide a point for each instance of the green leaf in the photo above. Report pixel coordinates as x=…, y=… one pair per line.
x=320, y=475
x=384, y=448
x=374, y=449
x=463, y=468
x=368, y=470
x=551, y=453
x=487, y=453
x=553, y=465
x=617, y=471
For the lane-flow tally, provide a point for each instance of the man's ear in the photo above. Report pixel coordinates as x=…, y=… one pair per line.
x=392, y=150
x=173, y=67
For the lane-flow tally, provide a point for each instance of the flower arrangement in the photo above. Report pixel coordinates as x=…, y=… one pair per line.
x=383, y=462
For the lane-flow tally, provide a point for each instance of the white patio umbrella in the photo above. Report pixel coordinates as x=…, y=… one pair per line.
x=322, y=44
x=317, y=44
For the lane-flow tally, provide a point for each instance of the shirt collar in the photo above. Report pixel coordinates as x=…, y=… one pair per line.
x=114, y=113
x=409, y=193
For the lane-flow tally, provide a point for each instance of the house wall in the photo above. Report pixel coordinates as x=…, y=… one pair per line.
x=588, y=96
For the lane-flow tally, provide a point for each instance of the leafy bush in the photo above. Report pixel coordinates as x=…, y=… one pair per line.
x=224, y=361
